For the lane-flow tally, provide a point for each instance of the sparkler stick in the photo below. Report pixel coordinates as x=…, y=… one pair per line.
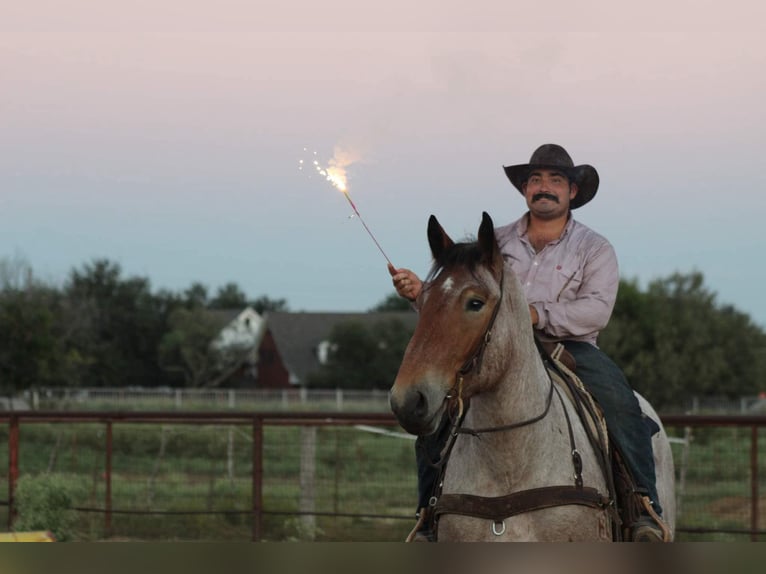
x=345, y=192
x=336, y=175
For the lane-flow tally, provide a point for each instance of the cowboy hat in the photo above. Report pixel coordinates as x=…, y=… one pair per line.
x=552, y=156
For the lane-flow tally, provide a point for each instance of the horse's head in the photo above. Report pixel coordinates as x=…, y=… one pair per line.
x=461, y=298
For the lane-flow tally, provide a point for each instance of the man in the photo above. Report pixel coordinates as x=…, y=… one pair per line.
x=570, y=277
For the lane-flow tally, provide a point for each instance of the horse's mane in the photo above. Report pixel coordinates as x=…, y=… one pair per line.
x=464, y=254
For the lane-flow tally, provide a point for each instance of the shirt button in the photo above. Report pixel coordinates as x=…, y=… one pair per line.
x=534, y=263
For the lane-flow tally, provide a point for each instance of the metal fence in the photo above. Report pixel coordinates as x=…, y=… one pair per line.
x=142, y=398
x=287, y=400
x=223, y=475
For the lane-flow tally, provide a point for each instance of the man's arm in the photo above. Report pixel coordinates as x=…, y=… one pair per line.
x=591, y=309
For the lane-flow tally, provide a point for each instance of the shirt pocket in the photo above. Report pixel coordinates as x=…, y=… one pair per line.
x=566, y=282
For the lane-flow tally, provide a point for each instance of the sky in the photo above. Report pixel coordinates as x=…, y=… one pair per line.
x=166, y=136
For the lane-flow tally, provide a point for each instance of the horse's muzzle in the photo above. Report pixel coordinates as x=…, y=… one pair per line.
x=418, y=409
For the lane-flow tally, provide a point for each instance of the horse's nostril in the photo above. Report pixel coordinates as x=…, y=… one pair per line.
x=421, y=405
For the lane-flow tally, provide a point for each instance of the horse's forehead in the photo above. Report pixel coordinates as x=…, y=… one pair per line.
x=459, y=277
x=450, y=282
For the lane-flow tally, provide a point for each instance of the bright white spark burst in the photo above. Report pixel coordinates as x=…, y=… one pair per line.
x=335, y=172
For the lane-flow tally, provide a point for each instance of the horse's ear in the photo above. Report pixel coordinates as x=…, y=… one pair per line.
x=438, y=238
x=488, y=242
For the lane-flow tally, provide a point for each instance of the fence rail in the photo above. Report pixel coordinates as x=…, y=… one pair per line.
x=313, y=475
x=288, y=399
x=141, y=398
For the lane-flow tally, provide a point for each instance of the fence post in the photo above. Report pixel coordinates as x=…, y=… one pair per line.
x=339, y=399
x=754, y=483
x=13, y=466
x=108, y=480
x=307, y=504
x=257, y=477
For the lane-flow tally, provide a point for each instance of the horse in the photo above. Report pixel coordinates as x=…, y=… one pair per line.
x=519, y=461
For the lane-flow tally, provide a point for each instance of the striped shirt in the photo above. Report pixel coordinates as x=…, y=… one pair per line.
x=572, y=282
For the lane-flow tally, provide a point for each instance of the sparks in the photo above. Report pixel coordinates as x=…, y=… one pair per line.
x=335, y=173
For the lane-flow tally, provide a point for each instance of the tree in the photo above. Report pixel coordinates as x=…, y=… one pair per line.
x=673, y=341
x=362, y=356
x=31, y=354
x=230, y=296
x=119, y=326
x=185, y=349
x=196, y=295
x=264, y=304
x=393, y=302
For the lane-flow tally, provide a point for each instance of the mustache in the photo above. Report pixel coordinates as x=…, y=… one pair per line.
x=544, y=195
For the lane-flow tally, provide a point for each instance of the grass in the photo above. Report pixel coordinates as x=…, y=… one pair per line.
x=206, y=470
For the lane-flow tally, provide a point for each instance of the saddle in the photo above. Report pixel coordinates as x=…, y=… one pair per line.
x=629, y=500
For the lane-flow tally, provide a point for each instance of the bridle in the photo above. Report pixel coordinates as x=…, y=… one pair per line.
x=474, y=361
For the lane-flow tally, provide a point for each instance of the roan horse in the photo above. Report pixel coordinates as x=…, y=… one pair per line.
x=519, y=440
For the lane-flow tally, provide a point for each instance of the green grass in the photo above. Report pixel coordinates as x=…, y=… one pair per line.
x=171, y=468
x=207, y=469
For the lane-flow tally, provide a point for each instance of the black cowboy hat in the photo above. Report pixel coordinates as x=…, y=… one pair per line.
x=552, y=156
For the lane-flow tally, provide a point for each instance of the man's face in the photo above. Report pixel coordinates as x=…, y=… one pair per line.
x=548, y=193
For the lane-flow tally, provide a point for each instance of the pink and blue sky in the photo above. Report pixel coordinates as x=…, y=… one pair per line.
x=165, y=135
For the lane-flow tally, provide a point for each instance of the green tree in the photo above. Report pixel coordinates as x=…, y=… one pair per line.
x=264, y=304
x=362, y=356
x=196, y=295
x=120, y=326
x=673, y=341
x=31, y=353
x=393, y=302
x=185, y=350
x=230, y=296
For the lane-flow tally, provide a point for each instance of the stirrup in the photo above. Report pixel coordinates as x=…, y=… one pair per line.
x=665, y=535
x=411, y=537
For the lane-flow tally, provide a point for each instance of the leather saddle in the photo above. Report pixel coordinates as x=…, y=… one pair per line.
x=627, y=497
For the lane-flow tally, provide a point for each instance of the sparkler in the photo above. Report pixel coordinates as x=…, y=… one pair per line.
x=335, y=173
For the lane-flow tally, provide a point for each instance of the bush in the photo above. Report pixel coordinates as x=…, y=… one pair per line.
x=44, y=502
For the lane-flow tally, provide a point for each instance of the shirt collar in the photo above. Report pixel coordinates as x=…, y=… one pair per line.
x=523, y=226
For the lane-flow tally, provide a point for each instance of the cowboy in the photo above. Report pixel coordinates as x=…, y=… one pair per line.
x=570, y=277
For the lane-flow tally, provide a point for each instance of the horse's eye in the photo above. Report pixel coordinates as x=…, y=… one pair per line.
x=474, y=304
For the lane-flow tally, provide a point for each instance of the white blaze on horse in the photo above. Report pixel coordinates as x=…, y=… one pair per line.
x=519, y=465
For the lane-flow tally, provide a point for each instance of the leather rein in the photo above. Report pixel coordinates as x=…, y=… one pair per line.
x=499, y=508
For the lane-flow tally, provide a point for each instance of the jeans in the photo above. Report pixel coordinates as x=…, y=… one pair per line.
x=627, y=426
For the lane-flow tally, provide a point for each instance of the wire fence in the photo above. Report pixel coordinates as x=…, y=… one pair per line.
x=225, y=476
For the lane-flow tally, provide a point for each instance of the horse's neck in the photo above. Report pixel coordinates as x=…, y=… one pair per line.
x=520, y=455
x=521, y=395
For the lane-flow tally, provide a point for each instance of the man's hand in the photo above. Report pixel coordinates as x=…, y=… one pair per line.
x=406, y=283
x=535, y=316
